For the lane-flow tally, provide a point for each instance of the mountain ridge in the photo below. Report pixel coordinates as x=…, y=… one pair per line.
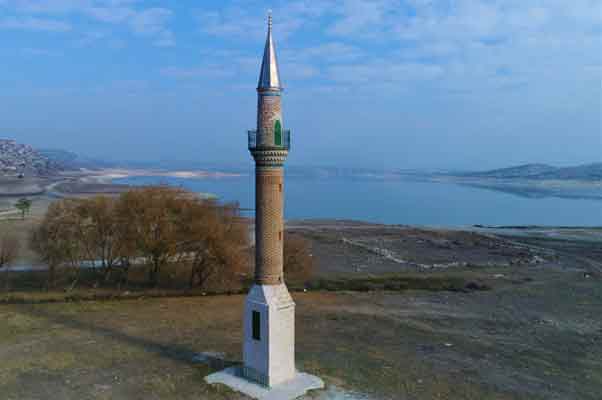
x=536, y=171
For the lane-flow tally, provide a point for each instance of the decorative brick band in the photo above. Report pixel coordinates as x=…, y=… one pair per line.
x=269, y=93
x=269, y=157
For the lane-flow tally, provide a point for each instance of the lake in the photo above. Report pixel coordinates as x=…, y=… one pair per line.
x=398, y=201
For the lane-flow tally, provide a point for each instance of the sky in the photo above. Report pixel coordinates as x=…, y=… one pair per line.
x=384, y=83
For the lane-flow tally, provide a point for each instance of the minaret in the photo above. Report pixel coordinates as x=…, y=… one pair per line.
x=269, y=321
x=269, y=315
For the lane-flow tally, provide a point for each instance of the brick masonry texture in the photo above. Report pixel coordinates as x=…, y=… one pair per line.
x=269, y=188
x=269, y=109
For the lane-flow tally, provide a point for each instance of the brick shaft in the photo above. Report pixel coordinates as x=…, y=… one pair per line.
x=269, y=225
x=269, y=202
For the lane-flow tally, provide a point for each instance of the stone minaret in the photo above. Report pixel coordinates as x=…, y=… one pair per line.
x=269, y=322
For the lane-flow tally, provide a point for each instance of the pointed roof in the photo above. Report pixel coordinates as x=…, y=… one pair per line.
x=269, y=78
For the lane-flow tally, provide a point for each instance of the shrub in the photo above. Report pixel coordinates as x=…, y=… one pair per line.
x=157, y=227
x=298, y=260
x=9, y=249
x=57, y=239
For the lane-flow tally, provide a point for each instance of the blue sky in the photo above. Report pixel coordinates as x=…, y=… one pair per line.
x=383, y=83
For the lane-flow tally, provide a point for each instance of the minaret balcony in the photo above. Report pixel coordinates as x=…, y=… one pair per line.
x=281, y=141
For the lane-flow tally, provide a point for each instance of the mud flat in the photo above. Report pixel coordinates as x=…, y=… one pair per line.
x=56, y=186
x=83, y=188
x=114, y=173
x=16, y=187
x=82, y=183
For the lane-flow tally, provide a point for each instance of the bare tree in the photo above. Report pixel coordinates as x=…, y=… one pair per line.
x=298, y=260
x=57, y=239
x=163, y=226
x=101, y=233
x=23, y=205
x=9, y=250
x=153, y=216
x=215, y=241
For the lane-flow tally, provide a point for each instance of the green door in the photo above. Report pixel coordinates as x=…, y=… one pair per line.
x=278, y=133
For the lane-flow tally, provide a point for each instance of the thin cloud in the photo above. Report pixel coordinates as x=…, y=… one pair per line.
x=364, y=18
x=384, y=71
x=34, y=24
x=331, y=52
x=249, y=22
x=142, y=21
x=150, y=21
x=201, y=72
x=28, y=51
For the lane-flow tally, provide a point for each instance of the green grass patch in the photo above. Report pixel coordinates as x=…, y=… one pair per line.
x=401, y=282
x=29, y=287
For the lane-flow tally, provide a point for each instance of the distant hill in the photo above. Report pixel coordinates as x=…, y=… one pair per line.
x=73, y=161
x=60, y=156
x=21, y=159
x=586, y=172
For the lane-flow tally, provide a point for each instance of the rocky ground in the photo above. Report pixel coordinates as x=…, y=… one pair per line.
x=536, y=334
x=347, y=247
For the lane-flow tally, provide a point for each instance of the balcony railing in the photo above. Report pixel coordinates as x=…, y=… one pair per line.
x=280, y=143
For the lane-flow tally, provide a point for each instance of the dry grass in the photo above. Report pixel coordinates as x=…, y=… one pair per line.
x=21, y=229
x=388, y=346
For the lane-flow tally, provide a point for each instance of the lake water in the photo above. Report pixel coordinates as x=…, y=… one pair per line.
x=399, y=201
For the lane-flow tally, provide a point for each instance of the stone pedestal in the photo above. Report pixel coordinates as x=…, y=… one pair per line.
x=269, y=332
x=268, y=372
x=290, y=390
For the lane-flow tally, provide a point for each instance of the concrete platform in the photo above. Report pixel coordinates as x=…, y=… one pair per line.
x=232, y=377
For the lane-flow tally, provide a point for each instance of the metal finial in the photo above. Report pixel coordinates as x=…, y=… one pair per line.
x=269, y=77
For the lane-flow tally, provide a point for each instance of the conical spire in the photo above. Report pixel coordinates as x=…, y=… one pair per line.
x=269, y=78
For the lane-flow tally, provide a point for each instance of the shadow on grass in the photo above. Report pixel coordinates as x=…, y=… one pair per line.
x=174, y=352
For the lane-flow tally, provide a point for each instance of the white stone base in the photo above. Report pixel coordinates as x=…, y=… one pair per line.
x=269, y=358
x=289, y=390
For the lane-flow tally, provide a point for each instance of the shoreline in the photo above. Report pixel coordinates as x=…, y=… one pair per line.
x=530, y=188
x=87, y=182
x=106, y=176
x=90, y=182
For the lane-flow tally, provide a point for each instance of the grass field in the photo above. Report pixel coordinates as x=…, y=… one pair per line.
x=21, y=228
x=537, y=340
